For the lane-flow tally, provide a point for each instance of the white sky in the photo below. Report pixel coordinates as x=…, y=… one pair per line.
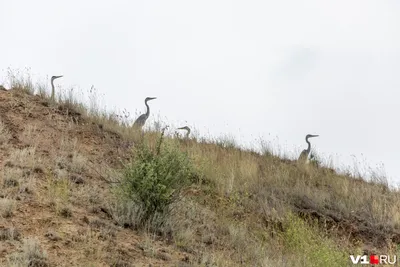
x=276, y=69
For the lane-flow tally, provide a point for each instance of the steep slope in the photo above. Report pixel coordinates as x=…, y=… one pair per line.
x=53, y=164
x=59, y=166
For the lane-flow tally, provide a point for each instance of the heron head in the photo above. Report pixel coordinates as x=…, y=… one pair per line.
x=55, y=77
x=311, y=135
x=184, y=128
x=149, y=98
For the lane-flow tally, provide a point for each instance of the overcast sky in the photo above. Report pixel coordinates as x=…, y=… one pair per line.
x=272, y=69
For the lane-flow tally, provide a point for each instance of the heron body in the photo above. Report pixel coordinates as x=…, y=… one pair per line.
x=52, y=86
x=187, y=130
x=141, y=120
x=304, y=154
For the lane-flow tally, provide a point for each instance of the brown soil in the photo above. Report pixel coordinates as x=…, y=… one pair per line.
x=74, y=239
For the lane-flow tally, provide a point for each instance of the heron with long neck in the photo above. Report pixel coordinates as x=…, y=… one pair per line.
x=304, y=154
x=187, y=130
x=52, y=86
x=141, y=120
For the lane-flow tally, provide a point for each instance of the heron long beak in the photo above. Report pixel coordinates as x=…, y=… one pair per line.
x=56, y=77
x=314, y=135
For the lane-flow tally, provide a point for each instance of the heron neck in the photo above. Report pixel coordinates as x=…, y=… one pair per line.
x=52, y=89
x=309, y=145
x=148, y=109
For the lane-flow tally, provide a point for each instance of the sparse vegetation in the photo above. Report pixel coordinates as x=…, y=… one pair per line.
x=58, y=194
x=31, y=255
x=79, y=178
x=9, y=234
x=7, y=207
x=5, y=134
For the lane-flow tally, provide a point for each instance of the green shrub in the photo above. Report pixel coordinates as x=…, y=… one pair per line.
x=154, y=179
x=312, y=248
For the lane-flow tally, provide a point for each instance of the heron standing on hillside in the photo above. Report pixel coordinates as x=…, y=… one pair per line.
x=141, y=120
x=187, y=130
x=304, y=154
x=52, y=86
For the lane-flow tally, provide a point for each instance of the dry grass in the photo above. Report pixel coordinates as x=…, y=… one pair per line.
x=58, y=194
x=20, y=81
x=25, y=157
x=30, y=135
x=244, y=209
x=7, y=207
x=5, y=134
x=249, y=190
x=31, y=255
x=11, y=234
x=16, y=181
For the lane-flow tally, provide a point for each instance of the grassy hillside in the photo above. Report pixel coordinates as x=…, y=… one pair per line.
x=79, y=187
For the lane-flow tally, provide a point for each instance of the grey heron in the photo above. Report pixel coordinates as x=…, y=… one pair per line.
x=141, y=120
x=304, y=154
x=187, y=130
x=52, y=85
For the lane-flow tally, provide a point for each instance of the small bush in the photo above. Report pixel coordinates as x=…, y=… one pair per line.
x=154, y=180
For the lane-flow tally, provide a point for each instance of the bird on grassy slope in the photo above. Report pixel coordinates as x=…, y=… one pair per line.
x=304, y=154
x=141, y=120
x=187, y=130
x=52, y=86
